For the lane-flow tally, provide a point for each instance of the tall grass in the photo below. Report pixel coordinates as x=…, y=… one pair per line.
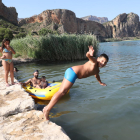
x=54, y=47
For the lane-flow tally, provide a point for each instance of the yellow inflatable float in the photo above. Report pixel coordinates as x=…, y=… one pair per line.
x=43, y=94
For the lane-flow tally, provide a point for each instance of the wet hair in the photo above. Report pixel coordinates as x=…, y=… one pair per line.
x=3, y=41
x=43, y=77
x=105, y=56
x=16, y=69
x=36, y=71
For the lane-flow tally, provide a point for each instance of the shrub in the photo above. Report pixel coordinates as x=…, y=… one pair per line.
x=2, y=30
x=20, y=35
x=55, y=47
x=17, y=55
x=8, y=34
x=44, y=31
x=5, y=33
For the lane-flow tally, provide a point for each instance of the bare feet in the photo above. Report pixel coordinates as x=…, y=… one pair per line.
x=46, y=113
x=7, y=85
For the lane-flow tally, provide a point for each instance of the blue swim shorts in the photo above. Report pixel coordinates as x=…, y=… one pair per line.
x=70, y=75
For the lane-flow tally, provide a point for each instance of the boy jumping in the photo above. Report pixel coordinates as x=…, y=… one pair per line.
x=81, y=71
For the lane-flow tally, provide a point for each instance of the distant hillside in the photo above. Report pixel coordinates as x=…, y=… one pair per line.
x=97, y=19
x=19, y=19
x=62, y=20
x=124, y=25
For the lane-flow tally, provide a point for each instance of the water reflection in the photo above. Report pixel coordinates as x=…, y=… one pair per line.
x=45, y=102
x=52, y=115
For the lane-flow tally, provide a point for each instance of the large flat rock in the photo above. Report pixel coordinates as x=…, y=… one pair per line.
x=18, y=118
x=30, y=126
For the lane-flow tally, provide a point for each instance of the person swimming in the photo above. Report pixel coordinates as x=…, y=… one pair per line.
x=15, y=69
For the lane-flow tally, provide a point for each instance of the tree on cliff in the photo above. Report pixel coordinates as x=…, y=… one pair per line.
x=45, y=31
x=5, y=33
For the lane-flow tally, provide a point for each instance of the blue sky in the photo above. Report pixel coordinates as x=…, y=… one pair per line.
x=82, y=8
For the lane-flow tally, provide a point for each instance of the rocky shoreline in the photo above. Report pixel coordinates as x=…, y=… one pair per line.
x=18, y=118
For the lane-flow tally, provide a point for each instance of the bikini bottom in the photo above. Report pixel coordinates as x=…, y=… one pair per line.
x=8, y=60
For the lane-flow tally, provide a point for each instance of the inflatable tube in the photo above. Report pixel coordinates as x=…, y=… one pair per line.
x=43, y=94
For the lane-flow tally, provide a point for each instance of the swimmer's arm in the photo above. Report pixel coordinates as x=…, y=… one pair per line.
x=97, y=76
x=39, y=83
x=24, y=84
x=90, y=53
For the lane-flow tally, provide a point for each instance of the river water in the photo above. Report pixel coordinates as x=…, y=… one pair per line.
x=91, y=111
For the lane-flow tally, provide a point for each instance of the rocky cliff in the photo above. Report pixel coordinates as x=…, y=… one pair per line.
x=8, y=13
x=65, y=21
x=18, y=118
x=124, y=25
x=97, y=19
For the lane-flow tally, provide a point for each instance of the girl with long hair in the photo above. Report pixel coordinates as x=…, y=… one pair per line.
x=7, y=63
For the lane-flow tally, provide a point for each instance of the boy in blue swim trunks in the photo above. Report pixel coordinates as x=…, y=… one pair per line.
x=81, y=71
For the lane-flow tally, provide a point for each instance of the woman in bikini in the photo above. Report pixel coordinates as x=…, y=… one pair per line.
x=7, y=63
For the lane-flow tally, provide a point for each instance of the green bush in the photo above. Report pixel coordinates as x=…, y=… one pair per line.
x=21, y=29
x=2, y=31
x=45, y=31
x=20, y=35
x=17, y=55
x=8, y=34
x=5, y=33
x=55, y=47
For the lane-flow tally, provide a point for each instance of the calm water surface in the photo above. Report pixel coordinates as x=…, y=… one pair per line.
x=94, y=112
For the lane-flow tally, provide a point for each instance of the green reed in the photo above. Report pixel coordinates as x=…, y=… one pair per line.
x=54, y=47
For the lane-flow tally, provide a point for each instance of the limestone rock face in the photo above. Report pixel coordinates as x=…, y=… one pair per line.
x=13, y=99
x=30, y=126
x=18, y=118
x=124, y=25
x=66, y=21
x=9, y=13
x=14, y=102
x=91, y=27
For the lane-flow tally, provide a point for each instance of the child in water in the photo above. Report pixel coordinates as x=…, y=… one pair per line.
x=15, y=69
x=81, y=71
x=7, y=63
x=16, y=72
x=44, y=83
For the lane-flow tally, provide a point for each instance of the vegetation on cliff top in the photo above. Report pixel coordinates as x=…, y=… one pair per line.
x=9, y=30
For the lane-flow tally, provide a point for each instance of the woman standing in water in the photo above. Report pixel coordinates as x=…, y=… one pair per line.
x=7, y=63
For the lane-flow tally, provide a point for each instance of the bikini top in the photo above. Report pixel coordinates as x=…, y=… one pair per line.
x=5, y=50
